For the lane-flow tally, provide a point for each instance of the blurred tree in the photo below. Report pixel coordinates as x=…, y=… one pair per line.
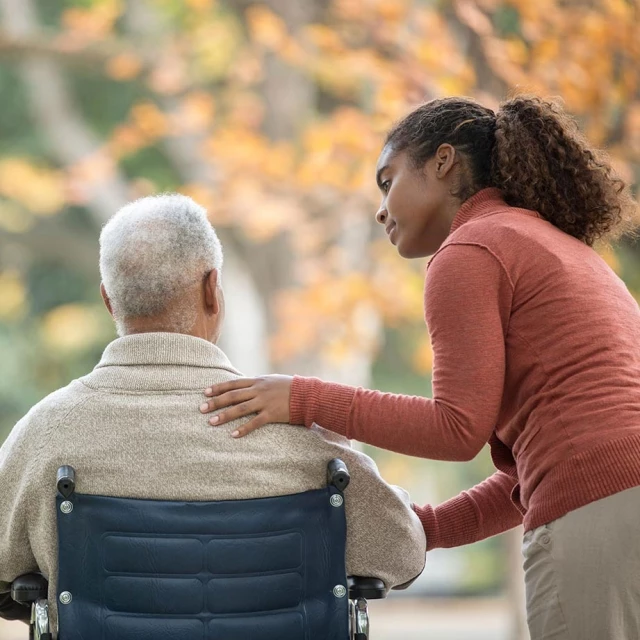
x=271, y=115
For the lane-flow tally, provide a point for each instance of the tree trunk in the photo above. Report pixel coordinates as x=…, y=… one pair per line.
x=54, y=111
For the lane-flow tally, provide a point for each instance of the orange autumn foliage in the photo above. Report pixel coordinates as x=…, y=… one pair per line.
x=365, y=63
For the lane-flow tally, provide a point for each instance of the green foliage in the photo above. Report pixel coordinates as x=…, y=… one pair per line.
x=507, y=21
x=152, y=164
x=51, y=285
x=18, y=135
x=104, y=102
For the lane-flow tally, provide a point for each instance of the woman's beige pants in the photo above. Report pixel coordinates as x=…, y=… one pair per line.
x=582, y=572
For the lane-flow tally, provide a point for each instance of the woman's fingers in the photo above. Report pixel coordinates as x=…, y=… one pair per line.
x=266, y=396
x=252, y=425
x=231, y=385
x=227, y=399
x=233, y=413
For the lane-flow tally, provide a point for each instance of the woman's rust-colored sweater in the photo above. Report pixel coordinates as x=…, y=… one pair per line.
x=536, y=351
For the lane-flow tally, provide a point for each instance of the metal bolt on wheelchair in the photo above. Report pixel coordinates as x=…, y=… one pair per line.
x=269, y=568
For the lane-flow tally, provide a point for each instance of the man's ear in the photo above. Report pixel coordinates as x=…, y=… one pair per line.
x=211, y=292
x=445, y=157
x=105, y=298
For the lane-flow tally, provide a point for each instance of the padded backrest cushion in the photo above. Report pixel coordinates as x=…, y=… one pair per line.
x=157, y=570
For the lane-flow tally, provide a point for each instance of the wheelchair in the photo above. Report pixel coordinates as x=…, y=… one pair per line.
x=259, y=569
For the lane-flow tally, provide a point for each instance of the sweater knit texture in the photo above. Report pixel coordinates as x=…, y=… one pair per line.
x=536, y=346
x=132, y=428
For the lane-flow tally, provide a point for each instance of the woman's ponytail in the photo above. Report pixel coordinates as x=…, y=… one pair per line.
x=540, y=161
x=533, y=152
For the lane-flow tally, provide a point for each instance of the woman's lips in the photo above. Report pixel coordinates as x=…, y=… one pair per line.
x=390, y=229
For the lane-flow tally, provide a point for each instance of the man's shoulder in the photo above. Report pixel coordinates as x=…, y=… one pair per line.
x=328, y=442
x=313, y=442
x=52, y=409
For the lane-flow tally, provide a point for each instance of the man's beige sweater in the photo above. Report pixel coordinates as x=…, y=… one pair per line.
x=132, y=428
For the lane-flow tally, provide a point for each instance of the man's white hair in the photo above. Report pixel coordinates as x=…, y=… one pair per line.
x=153, y=252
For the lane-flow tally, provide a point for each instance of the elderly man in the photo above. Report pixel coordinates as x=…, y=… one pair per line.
x=135, y=416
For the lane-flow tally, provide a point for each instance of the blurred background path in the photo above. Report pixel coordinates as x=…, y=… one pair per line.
x=409, y=619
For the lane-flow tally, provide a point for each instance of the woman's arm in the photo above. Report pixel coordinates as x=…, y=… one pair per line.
x=481, y=512
x=468, y=301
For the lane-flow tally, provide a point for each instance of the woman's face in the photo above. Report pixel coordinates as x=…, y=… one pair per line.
x=416, y=203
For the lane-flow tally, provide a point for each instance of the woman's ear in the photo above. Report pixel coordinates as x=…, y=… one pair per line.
x=445, y=159
x=211, y=292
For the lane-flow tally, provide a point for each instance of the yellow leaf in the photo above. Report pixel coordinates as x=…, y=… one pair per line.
x=200, y=5
x=15, y=219
x=215, y=46
x=622, y=10
x=279, y=162
x=93, y=168
x=609, y=256
x=247, y=113
x=126, y=139
x=13, y=295
x=316, y=141
x=73, y=327
x=238, y=148
x=454, y=84
x=202, y=194
x=349, y=9
x=546, y=51
x=95, y=22
x=325, y=38
x=169, y=75
x=124, y=66
x=247, y=68
x=423, y=357
x=632, y=128
x=149, y=120
x=391, y=10
x=517, y=51
x=395, y=470
x=40, y=190
x=293, y=53
x=262, y=216
x=266, y=28
x=391, y=96
x=196, y=112
x=336, y=351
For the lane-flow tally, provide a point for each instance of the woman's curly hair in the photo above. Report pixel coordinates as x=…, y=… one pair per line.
x=533, y=152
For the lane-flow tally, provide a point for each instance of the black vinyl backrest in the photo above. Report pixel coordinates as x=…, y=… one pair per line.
x=264, y=569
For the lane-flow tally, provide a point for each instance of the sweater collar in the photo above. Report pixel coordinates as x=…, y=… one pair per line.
x=164, y=349
x=485, y=201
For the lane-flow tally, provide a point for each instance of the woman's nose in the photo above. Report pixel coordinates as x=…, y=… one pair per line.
x=382, y=215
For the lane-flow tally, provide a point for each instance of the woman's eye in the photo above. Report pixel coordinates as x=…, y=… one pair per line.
x=385, y=186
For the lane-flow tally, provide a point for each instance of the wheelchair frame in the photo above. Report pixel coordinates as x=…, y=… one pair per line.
x=31, y=589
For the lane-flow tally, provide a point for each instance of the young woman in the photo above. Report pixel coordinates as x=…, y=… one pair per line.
x=536, y=351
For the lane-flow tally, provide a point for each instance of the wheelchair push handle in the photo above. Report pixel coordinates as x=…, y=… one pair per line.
x=28, y=588
x=338, y=474
x=66, y=481
x=364, y=587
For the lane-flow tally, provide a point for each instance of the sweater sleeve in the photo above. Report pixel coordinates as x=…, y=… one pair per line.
x=481, y=512
x=16, y=554
x=467, y=305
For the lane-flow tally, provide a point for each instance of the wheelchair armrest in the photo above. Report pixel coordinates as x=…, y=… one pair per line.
x=29, y=588
x=12, y=610
x=368, y=588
